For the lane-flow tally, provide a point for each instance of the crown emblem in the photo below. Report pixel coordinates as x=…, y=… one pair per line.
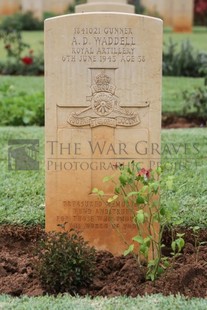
x=102, y=79
x=102, y=84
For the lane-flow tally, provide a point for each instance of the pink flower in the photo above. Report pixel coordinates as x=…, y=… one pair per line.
x=144, y=173
x=27, y=60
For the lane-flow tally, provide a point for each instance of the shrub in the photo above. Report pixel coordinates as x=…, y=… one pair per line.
x=30, y=64
x=21, y=60
x=48, y=15
x=21, y=21
x=200, y=12
x=20, y=108
x=184, y=61
x=71, y=8
x=65, y=262
x=139, y=189
x=195, y=102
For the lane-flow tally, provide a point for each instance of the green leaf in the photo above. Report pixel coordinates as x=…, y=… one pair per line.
x=129, y=250
x=181, y=243
x=147, y=241
x=138, y=239
x=160, y=270
x=162, y=211
x=177, y=222
x=133, y=194
x=180, y=235
x=144, y=188
x=173, y=246
x=144, y=250
x=159, y=170
x=123, y=179
x=112, y=198
x=95, y=190
x=140, y=200
x=107, y=178
x=140, y=217
x=155, y=186
x=117, y=190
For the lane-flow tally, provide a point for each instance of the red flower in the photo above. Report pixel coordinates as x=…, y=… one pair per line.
x=201, y=7
x=144, y=173
x=27, y=60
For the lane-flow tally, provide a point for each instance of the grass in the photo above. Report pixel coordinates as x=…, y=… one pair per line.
x=173, y=87
x=22, y=192
x=34, y=38
x=197, y=37
x=152, y=302
x=185, y=152
x=29, y=84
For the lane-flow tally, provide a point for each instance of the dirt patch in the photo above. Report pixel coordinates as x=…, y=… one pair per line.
x=173, y=121
x=115, y=276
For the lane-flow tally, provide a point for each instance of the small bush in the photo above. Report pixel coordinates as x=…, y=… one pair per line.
x=21, y=21
x=200, y=12
x=30, y=64
x=65, y=262
x=184, y=61
x=71, y=8
x=48, y=15
x=21, y=59
x=20, y=108
x=195, y=102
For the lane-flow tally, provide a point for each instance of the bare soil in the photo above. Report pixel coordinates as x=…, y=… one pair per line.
x=172, y=121
x=115, y=275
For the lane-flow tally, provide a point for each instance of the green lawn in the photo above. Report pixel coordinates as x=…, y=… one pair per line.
x=173, y=87
x=29, y=84
x=66, y=302
x=34, y=38
x=198, y=37
x=22, y=192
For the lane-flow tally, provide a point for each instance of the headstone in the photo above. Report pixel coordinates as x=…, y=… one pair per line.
x=103, y=107
x=182, y=19
x=9, y=7
x=165, y=10
x=159, y=8
x=36, y=7
x=56, y=6
x=105, y=6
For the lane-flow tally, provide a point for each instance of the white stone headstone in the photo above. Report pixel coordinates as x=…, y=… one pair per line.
x=103, y=107
x=182, y=20
x=105, y=6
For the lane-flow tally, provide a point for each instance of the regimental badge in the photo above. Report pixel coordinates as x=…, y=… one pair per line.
x=104, y=108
